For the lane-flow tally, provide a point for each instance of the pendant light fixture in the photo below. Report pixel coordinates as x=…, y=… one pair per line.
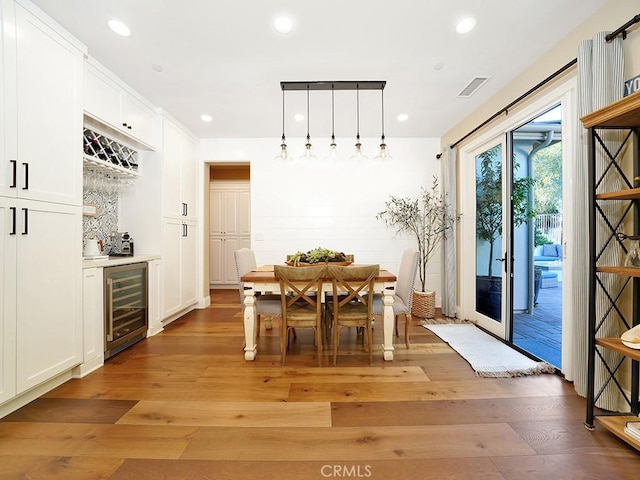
x=383, y=150
x=333, y=147
x=284, y=153
x=333, y=154
x=358, y=155
x=308, y=149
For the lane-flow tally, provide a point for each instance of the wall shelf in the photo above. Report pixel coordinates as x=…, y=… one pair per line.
x=607, y=312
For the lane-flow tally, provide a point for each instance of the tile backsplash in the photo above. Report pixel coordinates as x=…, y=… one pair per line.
x=106, y=220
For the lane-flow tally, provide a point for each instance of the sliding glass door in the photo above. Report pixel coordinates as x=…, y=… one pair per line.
x=491, y=235
x=518, y=236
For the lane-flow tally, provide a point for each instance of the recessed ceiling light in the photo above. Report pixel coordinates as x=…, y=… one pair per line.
x=298, y=117
x=466, y=25
x=119, y=27
x=206, y=118
x=438, y=66
x=283, y=24
x=403, y=117
x=157, y=68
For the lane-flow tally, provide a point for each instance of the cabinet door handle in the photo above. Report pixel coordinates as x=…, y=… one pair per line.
x=184, y=209
x=26, y=176
x=13, y=221
x=14, y=176
x=109, y=305
x=25, y=230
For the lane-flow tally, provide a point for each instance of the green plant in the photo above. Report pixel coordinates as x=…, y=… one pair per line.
x=489, y=200
x=316, y=255
x=540, y=238
x=427, y=218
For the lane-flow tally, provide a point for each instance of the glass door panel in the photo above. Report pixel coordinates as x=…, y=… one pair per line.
x=489, y=238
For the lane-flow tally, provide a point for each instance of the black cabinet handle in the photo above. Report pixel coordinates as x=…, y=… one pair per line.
x=13, y=221
x=125, y=125
x=25, y=230
x=26, y=176
x=185, y=209
x=14, y=177
x=185, y=230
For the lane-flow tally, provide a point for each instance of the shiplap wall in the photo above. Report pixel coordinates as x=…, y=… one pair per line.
x=299, y=206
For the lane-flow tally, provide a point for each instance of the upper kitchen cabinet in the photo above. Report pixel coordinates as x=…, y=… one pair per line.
x=179, y=176
x=115, y=106
x=41, y=87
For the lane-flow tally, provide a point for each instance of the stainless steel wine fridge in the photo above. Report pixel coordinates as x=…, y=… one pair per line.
x=126, y=313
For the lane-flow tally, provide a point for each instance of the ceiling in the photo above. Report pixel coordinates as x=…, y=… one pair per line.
x=225, y=59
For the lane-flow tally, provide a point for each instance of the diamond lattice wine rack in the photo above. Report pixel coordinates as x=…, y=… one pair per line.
x=103, y=153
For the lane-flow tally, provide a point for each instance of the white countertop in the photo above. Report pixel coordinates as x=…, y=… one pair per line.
x=114, y=261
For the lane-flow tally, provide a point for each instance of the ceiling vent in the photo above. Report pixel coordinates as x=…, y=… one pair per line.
x=472, y=87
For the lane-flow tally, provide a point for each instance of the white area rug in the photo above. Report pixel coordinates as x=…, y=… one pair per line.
x=488, y=356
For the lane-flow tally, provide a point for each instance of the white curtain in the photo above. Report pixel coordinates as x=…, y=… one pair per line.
x=600, y=82
x=449, y=161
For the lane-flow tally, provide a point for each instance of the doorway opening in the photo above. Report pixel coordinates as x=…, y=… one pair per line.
x=229, y=221
x=537, y=301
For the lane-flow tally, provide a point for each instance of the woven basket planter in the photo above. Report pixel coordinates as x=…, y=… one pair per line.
x=423, y=304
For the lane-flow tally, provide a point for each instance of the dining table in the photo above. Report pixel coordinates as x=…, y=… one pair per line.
x=262, y=280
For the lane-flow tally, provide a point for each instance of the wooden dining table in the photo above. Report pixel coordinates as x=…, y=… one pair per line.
x=262, y=280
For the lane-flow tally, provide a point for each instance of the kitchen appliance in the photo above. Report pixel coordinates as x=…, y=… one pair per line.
x=91, y=248
x=121, y=244
x=125, y=306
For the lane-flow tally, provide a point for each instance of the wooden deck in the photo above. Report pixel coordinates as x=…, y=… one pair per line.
x=186, y=405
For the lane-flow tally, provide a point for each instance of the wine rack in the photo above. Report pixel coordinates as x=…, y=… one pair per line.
x=104, y=153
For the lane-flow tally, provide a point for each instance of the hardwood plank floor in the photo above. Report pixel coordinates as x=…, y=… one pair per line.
x=186, y=405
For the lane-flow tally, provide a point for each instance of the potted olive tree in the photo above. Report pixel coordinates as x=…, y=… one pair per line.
x=427, y=218
x=489, y=223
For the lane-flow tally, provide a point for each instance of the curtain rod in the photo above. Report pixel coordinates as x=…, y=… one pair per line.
x=622, y=30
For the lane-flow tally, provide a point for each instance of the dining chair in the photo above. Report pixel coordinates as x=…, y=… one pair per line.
x=403, y=294
x=350, y=305
x=301, y=303
x=266, y=305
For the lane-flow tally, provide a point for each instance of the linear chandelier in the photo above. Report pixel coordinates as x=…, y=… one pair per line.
x=383, y=151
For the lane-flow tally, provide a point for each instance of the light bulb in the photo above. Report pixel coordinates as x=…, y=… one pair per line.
x=358, y=154
x=284, y=152
x=308, y=152
x=383, y=152
x=334, y=154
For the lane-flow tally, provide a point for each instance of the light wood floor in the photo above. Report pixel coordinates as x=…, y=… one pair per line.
x=185, y=405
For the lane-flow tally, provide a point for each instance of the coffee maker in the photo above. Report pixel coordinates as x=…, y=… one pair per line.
x=121, y=244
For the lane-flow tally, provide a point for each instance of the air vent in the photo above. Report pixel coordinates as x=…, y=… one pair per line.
x=472, y=87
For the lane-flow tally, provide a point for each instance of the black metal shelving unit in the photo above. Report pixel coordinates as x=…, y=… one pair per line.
x=621, y=298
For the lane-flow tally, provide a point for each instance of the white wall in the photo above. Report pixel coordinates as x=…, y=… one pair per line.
x=299, y=206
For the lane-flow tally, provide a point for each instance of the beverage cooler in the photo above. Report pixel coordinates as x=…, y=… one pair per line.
x=126, y=312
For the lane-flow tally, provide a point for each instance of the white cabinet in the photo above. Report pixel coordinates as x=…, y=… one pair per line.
x=7, y=301
x=229, y=228
x=93, y=321
x=109, y=102
x=179, y=260
x=154, y=306
x=40, y=202
x=179, y=185
x=48, y=300
x=222, y=266
x=42, y=111
x=179, y=220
